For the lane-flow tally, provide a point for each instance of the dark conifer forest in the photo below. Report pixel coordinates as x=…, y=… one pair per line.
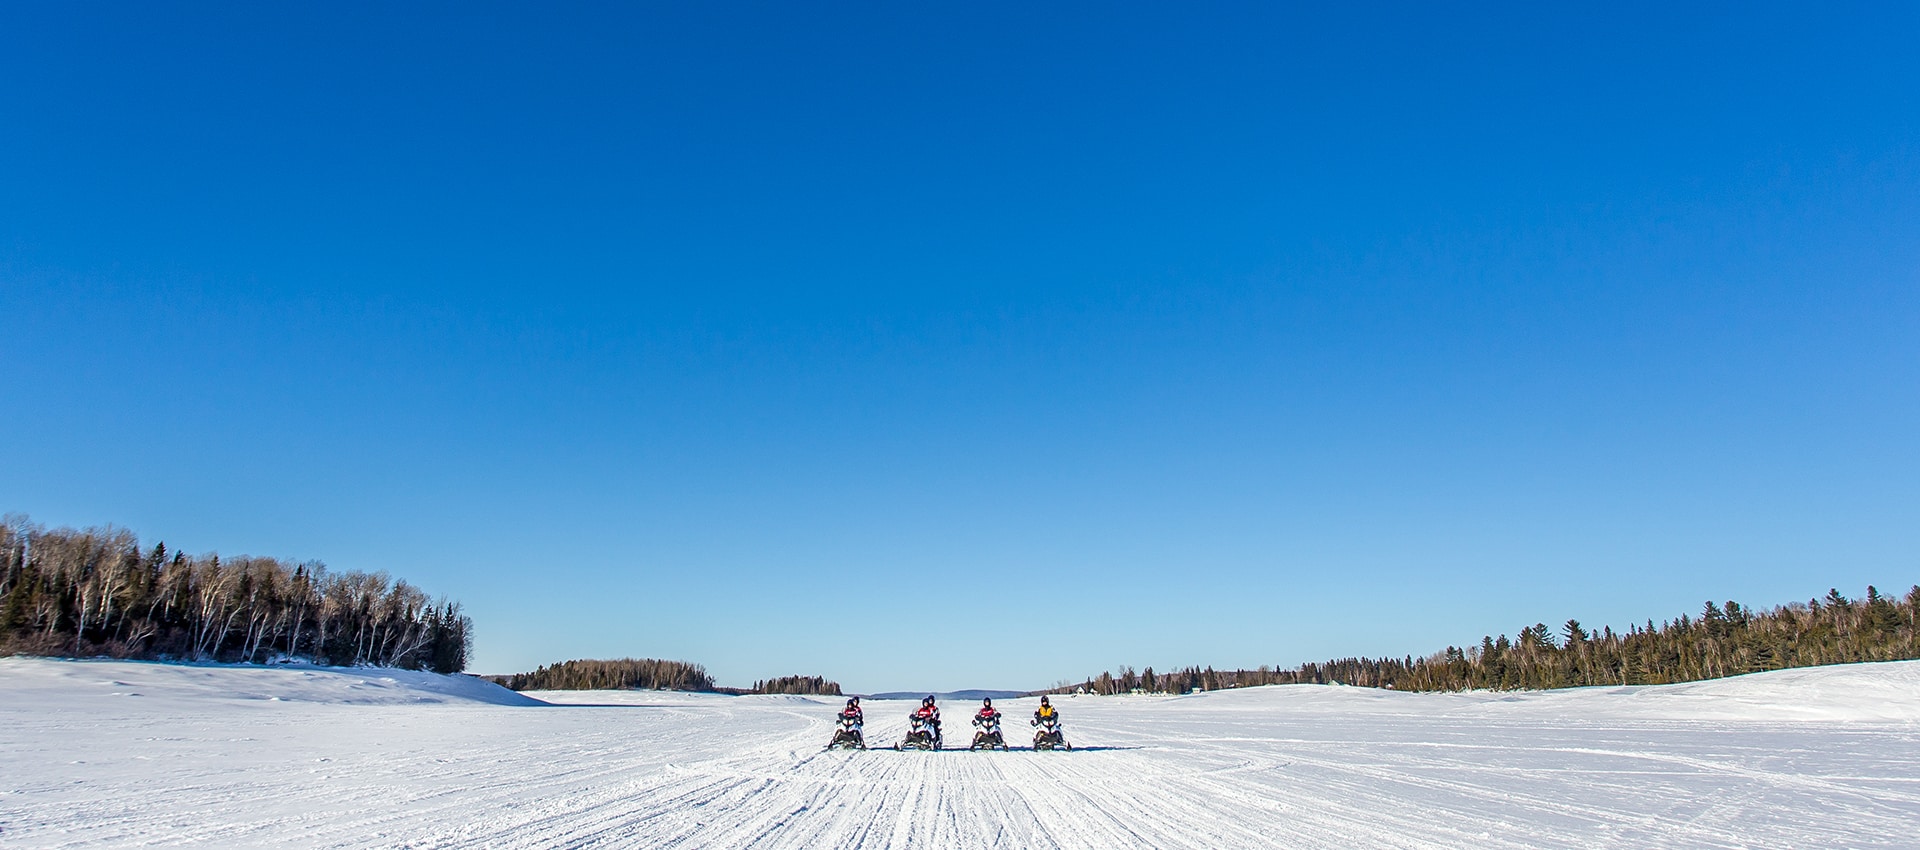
x=610, y=675
x=98, y=592
x=813, y=685
x=650, y=674
x=1723, y=640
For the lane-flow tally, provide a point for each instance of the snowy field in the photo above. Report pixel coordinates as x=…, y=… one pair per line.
x=115, y=754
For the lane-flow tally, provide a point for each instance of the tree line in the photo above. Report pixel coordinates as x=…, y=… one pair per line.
x=98, y=592
x=813, y=685
x=588, y=674
x=611, y=675
x=1723, y=640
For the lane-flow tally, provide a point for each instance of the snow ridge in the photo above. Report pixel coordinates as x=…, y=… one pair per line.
x=60, y=681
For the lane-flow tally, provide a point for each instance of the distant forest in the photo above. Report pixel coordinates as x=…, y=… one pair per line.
x=814, y=685
x=1724, y=640
x=611, y=675
x=649, y=674
x=97, y=592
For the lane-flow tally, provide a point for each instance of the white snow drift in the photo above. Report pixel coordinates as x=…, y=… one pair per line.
x=113, y=754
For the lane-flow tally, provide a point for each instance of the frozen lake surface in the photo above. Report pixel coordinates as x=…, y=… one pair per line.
x=123, y=754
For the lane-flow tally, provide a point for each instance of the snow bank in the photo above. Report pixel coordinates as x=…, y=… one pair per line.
x=1885, y=692
x=61, y=681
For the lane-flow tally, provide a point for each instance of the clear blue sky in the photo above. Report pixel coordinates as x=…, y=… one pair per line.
x=931, y=347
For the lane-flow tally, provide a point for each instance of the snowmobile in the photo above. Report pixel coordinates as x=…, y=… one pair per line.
x=1048, y=735
x=920, y=735
x=989, y=736
x=847, y=734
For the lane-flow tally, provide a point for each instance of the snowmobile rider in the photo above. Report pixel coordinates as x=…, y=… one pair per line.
x=929, y=713
x=987, y=716
x=852, y=712
x=1044, y=713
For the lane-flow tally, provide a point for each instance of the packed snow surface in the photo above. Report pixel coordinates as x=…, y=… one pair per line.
x=119, y=754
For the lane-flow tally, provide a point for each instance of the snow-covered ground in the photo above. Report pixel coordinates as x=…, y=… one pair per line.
x=99, y=754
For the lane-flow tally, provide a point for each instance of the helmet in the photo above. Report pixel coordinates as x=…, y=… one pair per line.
x=928, y=700
x=987, y=703
x=1043, y=701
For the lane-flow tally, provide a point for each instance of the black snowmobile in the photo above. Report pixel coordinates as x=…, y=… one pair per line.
x=921, y=735
x=847, y=734
x=988, y=736
x=1047, y=735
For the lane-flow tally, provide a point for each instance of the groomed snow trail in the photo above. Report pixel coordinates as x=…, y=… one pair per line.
x=110, y=754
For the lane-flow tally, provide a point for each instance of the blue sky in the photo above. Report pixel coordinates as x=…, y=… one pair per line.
x=969, y=346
